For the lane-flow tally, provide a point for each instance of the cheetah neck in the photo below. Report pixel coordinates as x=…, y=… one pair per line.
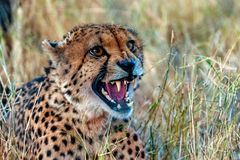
x=90, y=114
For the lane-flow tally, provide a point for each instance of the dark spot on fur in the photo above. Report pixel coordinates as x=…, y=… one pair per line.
x=66, y=71
x=79, y=67
x=33, y=91
x=40, y=157
x=52, y=113
x=40, y=109
x=30, y=105
x=40, y=99
x=62, y=154
x=114, y=140
x=73, y=76
x=135, y=137
x=69, y=92
x=100, y=137
x=75, y=111
x=43, y=120
x=90, y=141
x=70, y=152
x=64, y=141
x=36, y=119
x=56, y=148
x=137, y=149
x=46, y=124
x=53, y=138
x=74, y=122
x=121, y=156
x=73, y=140
x=77, y=158
x=142, y=154
x=67, y=126
x=115, y=153
x=46, y=87
x=75, y=82
x=67, y=109
x=47, y=70
x=80, y=132
x=127, y=134
x=129, y=151
x=47, y=105
x=46, y=141
x=53, y=128
x=39, y=79
x=59, y=118
x=63, y=133
x=39, y=132
x=49, y=153
x=46, y=114
x=52, y=121
x=80, y=147
x=29, y=84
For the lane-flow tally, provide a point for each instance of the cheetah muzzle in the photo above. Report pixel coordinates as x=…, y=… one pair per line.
x=118, y=93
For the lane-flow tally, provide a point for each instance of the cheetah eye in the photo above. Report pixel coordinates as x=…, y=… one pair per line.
x=131, y=46
x=96, y=51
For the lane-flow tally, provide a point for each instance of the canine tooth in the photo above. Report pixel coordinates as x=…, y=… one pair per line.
x=134, y=83
x=112, y=83
x=119, y=106
x=104, y=92
x=118, y=84
x=131, y=103
x=107, y=96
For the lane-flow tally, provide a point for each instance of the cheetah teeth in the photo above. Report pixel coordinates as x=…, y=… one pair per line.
x=130, y=103
x=104, y=92
x=107, y=96
x=119, y=106
x=134, y=83
x=118, y=84
x=127, y=94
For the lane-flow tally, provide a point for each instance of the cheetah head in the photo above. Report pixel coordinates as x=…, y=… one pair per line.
x=99, y=67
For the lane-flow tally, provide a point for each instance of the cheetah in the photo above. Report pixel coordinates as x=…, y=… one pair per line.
x=81, y=106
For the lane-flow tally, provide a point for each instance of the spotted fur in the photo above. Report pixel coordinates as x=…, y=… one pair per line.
x=58, y=116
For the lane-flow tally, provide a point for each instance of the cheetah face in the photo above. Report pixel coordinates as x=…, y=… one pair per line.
x=117, y=89
x=119, y=77
x=108, y=64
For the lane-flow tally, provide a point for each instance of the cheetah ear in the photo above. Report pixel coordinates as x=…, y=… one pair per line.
x=54, y=48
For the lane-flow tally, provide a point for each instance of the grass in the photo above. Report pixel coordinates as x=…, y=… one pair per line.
x=188, y=104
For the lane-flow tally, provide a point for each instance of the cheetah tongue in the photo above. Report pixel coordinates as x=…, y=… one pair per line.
x=116, y=90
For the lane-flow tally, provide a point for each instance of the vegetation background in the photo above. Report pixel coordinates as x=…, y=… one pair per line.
x=187, y=106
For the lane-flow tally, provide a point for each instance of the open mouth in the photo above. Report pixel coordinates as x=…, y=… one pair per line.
x=116, y=94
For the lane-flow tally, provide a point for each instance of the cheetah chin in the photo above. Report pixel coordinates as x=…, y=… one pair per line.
x=117, y=94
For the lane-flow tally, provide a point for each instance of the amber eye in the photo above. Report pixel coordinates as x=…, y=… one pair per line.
x=96, y=51
x=131, y=46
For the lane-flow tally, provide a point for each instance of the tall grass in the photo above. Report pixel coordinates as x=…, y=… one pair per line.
x=187, y=106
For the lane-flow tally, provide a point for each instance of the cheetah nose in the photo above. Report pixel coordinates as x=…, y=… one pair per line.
x=128, y=66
